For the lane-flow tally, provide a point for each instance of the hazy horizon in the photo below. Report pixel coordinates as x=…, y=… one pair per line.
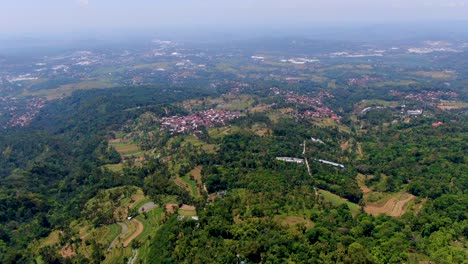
x=54, y=17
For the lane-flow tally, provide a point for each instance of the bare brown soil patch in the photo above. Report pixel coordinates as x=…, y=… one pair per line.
x=394, y=206
x=196, y=173
x=171, y=208
x=344, y=146
x=67, y=251
x=361, y=179
x=183, y=185
x=138, y=231
x=386, y=203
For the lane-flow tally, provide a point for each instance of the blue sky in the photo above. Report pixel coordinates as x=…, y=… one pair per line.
x=61, y=16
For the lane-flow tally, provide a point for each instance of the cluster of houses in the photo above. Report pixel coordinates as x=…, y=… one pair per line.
x=32, y=109
x=320, y=112
x=315, y=102
x=193, y=122
x=426, y=96
x=20, y=115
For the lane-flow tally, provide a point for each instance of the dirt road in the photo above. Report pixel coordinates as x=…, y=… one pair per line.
x=135, y=234
x=393, y=207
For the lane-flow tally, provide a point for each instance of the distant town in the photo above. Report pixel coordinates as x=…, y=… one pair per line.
x=193, y=122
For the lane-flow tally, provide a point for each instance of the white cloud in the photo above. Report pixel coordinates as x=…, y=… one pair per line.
x=445, y=4
x=83, y=2
x=454, y=4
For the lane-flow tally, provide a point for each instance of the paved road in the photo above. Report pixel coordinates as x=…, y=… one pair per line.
x=124, y=230
x=147, y=207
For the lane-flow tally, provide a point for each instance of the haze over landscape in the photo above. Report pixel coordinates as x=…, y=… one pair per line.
x=73, y=16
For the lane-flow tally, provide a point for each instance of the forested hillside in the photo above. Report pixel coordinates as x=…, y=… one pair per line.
x=223, y=158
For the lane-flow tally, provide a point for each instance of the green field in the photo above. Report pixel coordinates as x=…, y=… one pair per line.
x=114, y=167
x=187, y=212
x=151, y=224
x=192, y=185
x=337, y=200
x=106, y=234
x=126, y=148
x=67, y=89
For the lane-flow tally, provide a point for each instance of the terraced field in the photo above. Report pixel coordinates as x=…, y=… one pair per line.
x=392, y=204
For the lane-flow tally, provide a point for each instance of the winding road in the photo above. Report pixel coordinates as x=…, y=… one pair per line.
x=124, y=227
x=135, y=234
x=124, y=230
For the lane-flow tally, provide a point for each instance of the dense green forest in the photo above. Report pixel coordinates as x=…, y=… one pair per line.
x=50, y=169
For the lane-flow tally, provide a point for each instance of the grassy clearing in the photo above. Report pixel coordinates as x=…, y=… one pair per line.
x=117, y=255
x=329, y=122
x=106, y=234
x=292, y=221
x=151, y=225
x=378, y=198
x=220, y=132
x=209, y=148
x=115, y=167
x=396, y=83
x=125, y=148
x=236, y=103
x=225, y=102
x=191, y=184
x=39, y=260
x=443, y=75
x=183, y=212
x=67, y=89
x=50, y=240
x=150, y=222
x=367, y=103
x=337, y=200
x=103, y=235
